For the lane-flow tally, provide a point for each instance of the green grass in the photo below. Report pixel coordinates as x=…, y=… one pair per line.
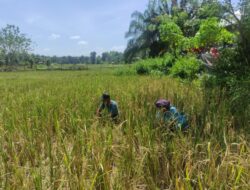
x=50, y=138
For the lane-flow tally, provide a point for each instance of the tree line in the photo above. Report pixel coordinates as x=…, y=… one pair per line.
x=111, y=57
x=16, y=48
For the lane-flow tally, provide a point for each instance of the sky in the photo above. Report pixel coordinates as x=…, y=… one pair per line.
x=71, y=27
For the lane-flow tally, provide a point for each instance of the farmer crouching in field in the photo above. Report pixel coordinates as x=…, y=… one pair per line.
x=168, y=116
x=108, y=105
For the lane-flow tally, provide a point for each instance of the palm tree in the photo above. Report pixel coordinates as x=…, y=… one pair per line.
x=143, y=34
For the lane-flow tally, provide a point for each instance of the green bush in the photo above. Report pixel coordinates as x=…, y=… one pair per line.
x=153, y=65
x=186, y=67
x=169, y=61
x=143, y=67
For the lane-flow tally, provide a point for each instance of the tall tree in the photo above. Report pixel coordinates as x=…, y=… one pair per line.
x=143, y=34
x=13, y=44
x=105, y=56
x=174, y=5
x=93, y=57
x=98, y=59
x=2, y=60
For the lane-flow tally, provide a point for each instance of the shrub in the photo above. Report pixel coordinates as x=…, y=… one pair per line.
x=186, y=68
x=144, y=67
x=169, y=61
x=161, y=65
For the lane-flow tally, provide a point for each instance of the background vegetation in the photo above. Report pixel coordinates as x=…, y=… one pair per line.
x=15, y=52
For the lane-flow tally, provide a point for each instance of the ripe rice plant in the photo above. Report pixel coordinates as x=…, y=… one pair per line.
x=51, y=139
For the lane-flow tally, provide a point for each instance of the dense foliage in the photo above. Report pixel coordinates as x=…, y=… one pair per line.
x=182, y=19
x=187, y=67
x=213, y=24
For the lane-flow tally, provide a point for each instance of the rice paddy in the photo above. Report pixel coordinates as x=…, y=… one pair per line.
x=51, y=138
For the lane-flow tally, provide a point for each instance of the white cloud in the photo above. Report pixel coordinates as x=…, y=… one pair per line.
x=76, y=37
x=46, y=49
x=82, y=43
x=118, y=48
x=33, y=19
x=54, y=36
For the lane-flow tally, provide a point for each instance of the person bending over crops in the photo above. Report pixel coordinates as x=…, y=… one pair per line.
x=168, y=115
x=109, y=105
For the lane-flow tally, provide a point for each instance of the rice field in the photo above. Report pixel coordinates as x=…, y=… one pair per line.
x=51, y=139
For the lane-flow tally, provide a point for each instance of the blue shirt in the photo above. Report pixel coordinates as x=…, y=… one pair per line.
x=112, y=108
x=173, y=115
